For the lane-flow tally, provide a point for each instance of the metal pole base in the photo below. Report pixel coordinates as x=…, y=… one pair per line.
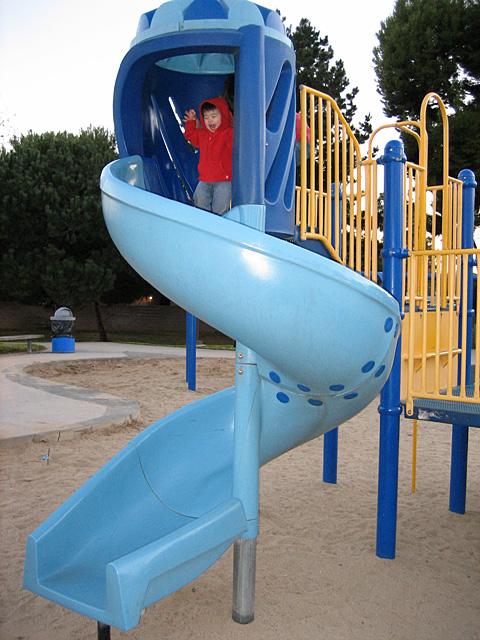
x=244, y=553
x=103, y=631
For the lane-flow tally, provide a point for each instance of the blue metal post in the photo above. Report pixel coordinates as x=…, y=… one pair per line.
x=330, y=456
x=459, y=459
x=330, y=439
x=390, y=409
x=191, y=351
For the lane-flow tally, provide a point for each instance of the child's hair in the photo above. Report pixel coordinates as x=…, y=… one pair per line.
x=208, y=106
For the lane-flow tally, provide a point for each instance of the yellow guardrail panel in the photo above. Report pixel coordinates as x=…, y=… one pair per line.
x=435, y=320
x=333, y=205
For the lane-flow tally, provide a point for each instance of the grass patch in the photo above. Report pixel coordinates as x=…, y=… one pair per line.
x=207, y=340
x=18, y=347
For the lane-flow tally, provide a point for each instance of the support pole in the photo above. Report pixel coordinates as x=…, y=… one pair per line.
x=414, y=456
x=244, y=559
x=191, y=363
x=390, y=409
x=330, y=456
x=459, y=454
x=248, y=188
x=458, y=468
x=103, y=631
x=330, y=439
x=246, y=481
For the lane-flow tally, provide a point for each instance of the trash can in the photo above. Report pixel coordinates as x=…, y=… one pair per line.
x=63, y=331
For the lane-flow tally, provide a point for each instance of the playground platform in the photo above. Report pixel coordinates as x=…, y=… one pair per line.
x=34, y=409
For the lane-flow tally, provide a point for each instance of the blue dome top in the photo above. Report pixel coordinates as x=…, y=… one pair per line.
x=181, y=15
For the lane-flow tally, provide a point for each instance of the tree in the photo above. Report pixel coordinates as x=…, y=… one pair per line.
x=317, y=69
x=6, y=129
x=432, y=45
x=55, y=248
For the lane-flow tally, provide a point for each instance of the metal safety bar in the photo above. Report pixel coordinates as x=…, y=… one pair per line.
x=336, y=200
x=440, y=284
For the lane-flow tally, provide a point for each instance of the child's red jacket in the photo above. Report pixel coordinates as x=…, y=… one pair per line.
x=216, y=147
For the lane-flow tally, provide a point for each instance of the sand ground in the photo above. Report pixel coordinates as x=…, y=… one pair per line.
x=317, y=573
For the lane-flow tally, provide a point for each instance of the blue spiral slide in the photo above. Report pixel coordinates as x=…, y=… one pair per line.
x=315, y=341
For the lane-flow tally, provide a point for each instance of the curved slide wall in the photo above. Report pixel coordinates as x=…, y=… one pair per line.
x=317, y=341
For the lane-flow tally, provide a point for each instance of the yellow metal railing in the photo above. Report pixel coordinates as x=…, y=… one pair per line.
x=416, y=236
x=333, y=205
x=441, y=315
x=432, y=276
x=430, y=347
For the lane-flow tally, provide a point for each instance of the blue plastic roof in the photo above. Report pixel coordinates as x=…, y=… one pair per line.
x=180, y=15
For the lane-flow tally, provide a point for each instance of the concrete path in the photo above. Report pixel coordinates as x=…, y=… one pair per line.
x=34, y=409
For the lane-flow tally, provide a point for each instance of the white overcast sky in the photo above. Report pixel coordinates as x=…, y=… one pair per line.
x=59, y=58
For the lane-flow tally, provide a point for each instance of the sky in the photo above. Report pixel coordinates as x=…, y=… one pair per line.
x=59, y=58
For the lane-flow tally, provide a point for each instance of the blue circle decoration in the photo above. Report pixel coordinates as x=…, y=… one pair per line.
x=314, y=402
x=368, y=366
x=282, y=397
x=302, y=387
x=350, y=396
x=380, y=371
x=274, y=377
x=337, y=387
x=388, y=325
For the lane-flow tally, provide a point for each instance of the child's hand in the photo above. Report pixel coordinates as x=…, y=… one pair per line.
x=190, y=115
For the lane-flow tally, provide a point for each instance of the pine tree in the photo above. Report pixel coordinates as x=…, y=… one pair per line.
x=316, y=68
x=432, y=46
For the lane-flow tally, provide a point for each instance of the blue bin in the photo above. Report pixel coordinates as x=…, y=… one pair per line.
x=63, y=331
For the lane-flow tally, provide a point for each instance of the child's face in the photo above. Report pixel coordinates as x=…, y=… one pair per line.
x=212, y=119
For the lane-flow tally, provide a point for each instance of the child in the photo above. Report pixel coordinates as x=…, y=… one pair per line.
x=298, y=136
x=213, y=135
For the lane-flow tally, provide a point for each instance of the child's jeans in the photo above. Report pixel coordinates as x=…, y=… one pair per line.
x=213, y=196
